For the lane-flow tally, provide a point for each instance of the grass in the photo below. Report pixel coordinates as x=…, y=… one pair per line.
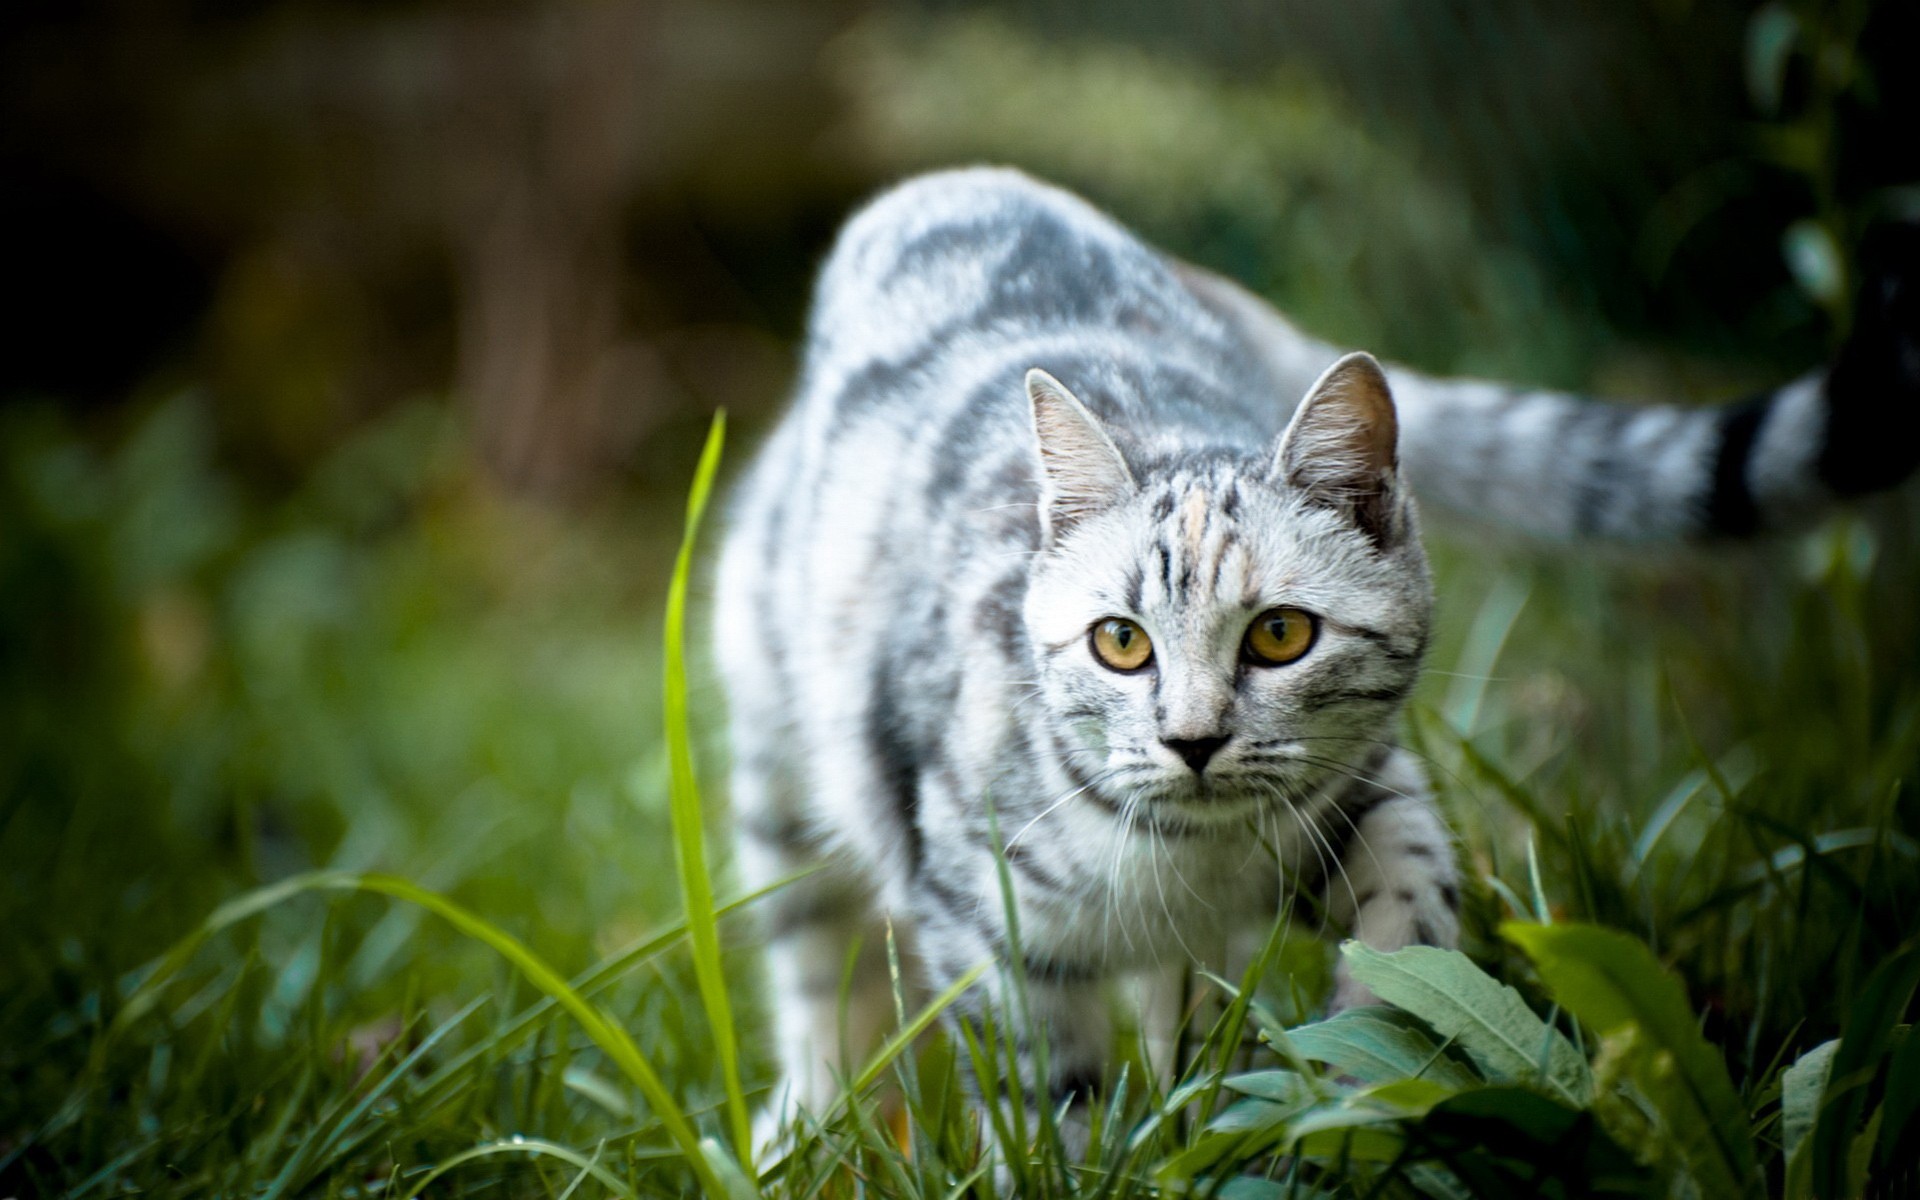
x=338, y=837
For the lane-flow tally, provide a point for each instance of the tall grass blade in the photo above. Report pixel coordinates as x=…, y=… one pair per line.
x=689, y=819
x=891, y=1048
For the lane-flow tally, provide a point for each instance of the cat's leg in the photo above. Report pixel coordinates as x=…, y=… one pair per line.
x=1160, y=996
x=830, y=987
x=1050, y=1010
x=1394, y=881
x=1177, y=1003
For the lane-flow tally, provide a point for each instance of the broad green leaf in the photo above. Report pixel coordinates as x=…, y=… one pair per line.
x=1801, y=1086
x=1615, y=985
x=1402, y=1097
x=1481, y=1015
x=1246, y=1116
x=1377, y=1043
x=1280, y=1087
x=1362, y=1126
x=1345, y=1132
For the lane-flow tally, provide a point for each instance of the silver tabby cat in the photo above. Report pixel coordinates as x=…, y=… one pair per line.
x=1064, y=531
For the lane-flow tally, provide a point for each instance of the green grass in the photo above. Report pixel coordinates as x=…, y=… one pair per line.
x=346, y=854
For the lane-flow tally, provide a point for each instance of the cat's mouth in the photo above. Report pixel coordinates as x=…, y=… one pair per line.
x=1207, y=801
x=1223, y=797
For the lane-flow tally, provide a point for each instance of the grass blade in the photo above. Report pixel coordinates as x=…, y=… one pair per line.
x=609, y=1036
x=1864, y=1045
x=689, y=818
x=892, y=1047
x=531, y=1147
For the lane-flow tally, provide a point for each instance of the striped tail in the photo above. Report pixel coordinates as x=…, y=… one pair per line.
x=1561, y=466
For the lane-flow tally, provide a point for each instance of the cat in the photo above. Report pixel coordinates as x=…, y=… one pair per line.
x=1071, y=549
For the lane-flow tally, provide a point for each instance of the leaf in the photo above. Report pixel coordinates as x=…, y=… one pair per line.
x=1800, y=1088
x=1377, y=1043
x=1249, y=1116
x=1483, y=1016
x=1864, y=1043
x=1615, y=985
x=1347, y=1132
x=1402, y=1097
x=1280, y=1087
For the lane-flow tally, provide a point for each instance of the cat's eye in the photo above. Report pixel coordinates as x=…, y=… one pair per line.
x=1279, y=636
x=1121, y=644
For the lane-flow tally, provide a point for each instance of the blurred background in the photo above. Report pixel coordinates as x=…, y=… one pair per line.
x=360, y=354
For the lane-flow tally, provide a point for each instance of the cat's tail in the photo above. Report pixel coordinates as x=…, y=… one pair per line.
x=1563, y=466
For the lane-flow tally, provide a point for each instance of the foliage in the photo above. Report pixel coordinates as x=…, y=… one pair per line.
x=252, y=1057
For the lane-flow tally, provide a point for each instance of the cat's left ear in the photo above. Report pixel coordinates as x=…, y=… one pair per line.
x=1341, y=448
x=1081, y=470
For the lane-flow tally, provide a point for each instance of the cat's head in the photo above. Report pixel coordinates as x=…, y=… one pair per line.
x=1225, y=632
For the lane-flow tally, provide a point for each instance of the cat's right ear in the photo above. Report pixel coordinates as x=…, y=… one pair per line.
x=1081, y=471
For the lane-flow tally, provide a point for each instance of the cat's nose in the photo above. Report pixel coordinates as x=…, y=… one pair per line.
x=1195, y=750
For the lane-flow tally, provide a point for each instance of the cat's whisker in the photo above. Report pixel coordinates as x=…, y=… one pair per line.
x=1352, y=825
x=1083, y=788
x=1154, y=849
x=1330, y=859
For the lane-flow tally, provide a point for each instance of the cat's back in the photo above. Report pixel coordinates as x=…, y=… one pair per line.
x=935, y=301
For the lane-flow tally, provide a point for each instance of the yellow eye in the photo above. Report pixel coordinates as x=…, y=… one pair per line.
x=1121, y=644
x=1279, y=636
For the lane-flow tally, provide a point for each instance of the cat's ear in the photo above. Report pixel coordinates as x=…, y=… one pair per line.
x=1341, y=448
x=1081, y=471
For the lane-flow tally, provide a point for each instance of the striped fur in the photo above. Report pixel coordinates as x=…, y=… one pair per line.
x=922, y=547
